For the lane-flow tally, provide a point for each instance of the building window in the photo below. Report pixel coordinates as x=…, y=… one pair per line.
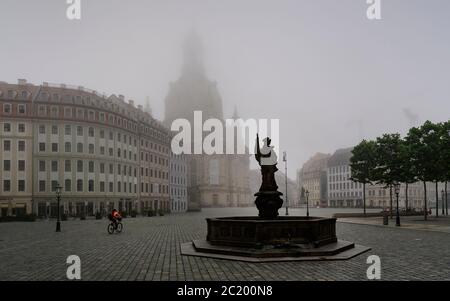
x=102, y=150
x=91, y=115
x=55, y=147
x=68, y=185
x=102, y=168
x=21, y=185
x=79, y=185
x=91, y=132
x=118, y=186
x=6, y=165
x=21, y=128
x=68, y=130
x=79, y=166
x=68, y=112
x=79, y=131
x=41, y=166
x=42, y=147
x=102, y=186
x=54, y=112
x=111, y=169
x=7, y=145
x=111, y=152
x=80, y=114
x=68, y=166
x=91, y=185
x=79, y=147
x=6, y=185
x=54, y=130
x=67, y=147
x=42, y=129
x=102, y=134
x=54, y=166
x=54, y=185
x=102, y=117
x=91, y=166
x=91, y=148
x=42, y=110
x=111, y=187
x=21, y=109
x=7, y=127
x=41, y=186
x=21, y=165
x=7, y=108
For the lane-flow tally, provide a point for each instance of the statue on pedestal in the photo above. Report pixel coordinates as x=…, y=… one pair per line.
x=268, y=199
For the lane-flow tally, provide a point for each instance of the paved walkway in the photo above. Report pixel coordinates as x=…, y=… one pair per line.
x=438, y=224
x=149, y=249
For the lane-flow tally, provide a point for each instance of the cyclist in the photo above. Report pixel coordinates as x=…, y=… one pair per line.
x=115, y=217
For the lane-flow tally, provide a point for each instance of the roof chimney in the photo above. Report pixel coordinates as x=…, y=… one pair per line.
x=22, y=81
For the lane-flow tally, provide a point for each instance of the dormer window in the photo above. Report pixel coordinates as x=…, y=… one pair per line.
x=24, y=94
x=10, y=94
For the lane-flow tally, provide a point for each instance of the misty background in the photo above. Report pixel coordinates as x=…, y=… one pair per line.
x=328, y=73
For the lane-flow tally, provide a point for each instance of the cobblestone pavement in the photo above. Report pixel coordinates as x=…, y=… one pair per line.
x=440, y=224
x=149, y=249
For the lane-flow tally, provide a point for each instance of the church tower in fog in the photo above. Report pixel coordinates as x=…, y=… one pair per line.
x=214, y=180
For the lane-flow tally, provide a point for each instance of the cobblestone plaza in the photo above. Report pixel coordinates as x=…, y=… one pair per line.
x=149, y=249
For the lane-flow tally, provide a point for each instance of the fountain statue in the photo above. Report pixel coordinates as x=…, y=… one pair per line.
x=269, y=237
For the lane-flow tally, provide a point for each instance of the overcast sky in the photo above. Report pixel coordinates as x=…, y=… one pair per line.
x=328, y=73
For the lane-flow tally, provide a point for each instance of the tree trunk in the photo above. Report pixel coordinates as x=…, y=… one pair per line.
x=406, y=197
x=425, y=209
x=364, y=198
x=437, y=199
x=446, y=203
x=390, y=196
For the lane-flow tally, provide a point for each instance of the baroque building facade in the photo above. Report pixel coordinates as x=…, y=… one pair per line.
x=178, y=183
x=313, y=178
x=106, y=153
x=214, y=180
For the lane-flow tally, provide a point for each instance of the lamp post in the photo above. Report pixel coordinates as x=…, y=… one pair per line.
x=307, y=203
x=58, y=199
x=286, y=179
x=397, y=192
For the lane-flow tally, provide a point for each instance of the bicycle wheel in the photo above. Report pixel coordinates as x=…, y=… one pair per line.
x=119, y=227
x=111, y=228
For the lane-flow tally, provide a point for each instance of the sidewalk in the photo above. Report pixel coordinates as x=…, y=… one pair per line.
x=439, y=224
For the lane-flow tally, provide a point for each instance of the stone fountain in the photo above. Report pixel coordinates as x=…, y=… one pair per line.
x=270, y=237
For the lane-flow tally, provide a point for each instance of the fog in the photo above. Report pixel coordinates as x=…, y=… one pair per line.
x=328, y=73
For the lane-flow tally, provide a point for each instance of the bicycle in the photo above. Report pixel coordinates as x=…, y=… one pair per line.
x=117, y=227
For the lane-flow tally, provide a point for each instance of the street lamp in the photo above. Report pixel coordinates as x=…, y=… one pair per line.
x=286, y=179
x=58, y=199
x=442, y=202
x=307, y=203
x=397, y=192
